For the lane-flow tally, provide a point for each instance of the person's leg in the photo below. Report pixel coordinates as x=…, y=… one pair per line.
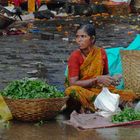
x=83, y=95
x=73, y=104
x=31, y=6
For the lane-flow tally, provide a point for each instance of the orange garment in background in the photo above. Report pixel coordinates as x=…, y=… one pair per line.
x=93, y=66
x=31, y=6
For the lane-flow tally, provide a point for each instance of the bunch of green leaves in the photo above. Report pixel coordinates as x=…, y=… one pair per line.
x=31, y=89
x=128, y=114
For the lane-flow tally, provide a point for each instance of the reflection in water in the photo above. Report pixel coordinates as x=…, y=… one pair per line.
x=120, y=133
x=28, y=131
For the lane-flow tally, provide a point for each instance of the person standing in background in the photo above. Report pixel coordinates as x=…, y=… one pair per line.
x=30, y=4
x=33, y=4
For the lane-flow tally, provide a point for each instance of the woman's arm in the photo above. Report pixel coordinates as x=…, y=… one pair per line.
x=104, y=80
x=83, y=83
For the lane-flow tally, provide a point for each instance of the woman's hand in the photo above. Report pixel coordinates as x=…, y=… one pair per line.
x=105, y=80
x=117, y=79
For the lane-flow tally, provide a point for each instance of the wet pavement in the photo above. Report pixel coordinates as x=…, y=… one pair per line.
x=30, y=55
x=56, y=130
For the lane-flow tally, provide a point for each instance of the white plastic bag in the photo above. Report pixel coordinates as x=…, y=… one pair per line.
x=107, y=103
x=137, y=107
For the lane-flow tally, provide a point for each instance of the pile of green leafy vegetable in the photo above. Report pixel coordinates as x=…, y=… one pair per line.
x=128, y=114
x=31, y=89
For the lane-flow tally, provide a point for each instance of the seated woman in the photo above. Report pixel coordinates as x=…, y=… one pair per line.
x=88, y=71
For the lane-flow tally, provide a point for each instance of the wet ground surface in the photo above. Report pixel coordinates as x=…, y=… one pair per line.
x=56, y=130
x=31, y=55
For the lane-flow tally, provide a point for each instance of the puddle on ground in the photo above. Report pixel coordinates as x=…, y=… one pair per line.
x=57, y=130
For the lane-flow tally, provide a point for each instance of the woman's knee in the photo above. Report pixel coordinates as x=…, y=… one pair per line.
x=70, y=90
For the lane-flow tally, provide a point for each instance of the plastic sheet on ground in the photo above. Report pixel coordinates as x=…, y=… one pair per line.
x=94, y=121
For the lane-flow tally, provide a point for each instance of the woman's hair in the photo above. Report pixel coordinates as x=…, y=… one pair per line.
x=89, y=29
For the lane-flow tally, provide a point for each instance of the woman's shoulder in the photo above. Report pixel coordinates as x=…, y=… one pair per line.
x=103, y=52
x=75, y=53
x=101, y=49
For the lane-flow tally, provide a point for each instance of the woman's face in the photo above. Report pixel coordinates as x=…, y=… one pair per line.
x=83, y=39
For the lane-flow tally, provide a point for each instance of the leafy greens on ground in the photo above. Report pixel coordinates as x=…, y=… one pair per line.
x=128, y=114
x=31, y=89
